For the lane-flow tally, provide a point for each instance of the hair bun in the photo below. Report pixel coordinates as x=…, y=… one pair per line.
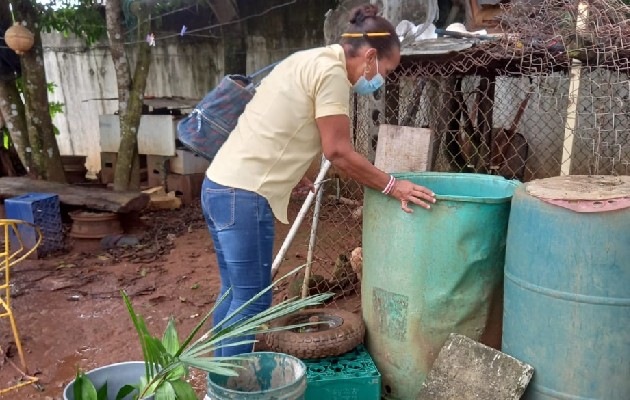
x=359, y=14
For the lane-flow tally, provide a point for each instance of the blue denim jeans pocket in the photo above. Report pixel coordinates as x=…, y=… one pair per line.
x=219, y=204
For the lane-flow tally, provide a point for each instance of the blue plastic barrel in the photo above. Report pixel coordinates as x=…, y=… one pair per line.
x=431, y=273
x=567, y=287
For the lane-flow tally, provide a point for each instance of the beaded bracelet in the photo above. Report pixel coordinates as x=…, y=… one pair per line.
x=390, y=185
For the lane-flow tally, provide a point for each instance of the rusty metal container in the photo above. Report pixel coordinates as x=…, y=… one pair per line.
x=94, y=225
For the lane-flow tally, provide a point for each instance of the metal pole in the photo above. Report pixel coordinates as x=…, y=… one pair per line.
x=298, y=220
x=313, y=239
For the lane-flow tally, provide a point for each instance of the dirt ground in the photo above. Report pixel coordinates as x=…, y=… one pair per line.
x=70, y=314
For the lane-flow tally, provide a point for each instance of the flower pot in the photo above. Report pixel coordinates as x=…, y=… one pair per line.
x=19, y=39
x=116, y=375
x=265, y=376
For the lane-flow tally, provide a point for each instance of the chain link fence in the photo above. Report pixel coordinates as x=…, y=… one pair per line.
x=550, y=98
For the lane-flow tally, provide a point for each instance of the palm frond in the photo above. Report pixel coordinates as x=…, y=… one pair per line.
x=192, y=334
x=170, y=340
x=211, y=364
x=208, y=347
x=167, y=361
x=256, y=297
x=250, y=326
x=140, y=328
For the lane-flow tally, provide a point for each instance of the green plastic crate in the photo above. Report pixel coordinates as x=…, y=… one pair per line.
x=351, y=376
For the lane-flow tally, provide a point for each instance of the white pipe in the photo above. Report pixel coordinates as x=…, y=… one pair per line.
x=298, y=220
x=313, y=239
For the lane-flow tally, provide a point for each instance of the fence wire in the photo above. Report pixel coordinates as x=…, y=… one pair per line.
x=548, y=98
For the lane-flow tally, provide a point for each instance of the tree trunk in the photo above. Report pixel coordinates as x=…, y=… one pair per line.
x=10, y=163
x=130, y=91
x=47, y=162
x=13, y=114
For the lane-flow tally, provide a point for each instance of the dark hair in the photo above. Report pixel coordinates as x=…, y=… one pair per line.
x=364, y=20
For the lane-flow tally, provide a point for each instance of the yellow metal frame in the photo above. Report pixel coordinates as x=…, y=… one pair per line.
x=9, y=259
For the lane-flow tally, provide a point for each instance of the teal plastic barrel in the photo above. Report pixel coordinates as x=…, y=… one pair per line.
x=567, y=287
x=265, y=376
x=432, y=272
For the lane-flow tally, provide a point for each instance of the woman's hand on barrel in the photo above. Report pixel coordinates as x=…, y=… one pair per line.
x=408, y=192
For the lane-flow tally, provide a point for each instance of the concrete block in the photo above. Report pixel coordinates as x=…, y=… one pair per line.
x=466, y=369
x=156, y=134
x=157, y=170
x=108, y=166
x=187, y=162
x=188, y=187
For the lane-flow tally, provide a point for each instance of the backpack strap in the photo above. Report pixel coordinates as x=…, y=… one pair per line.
x=264, y=69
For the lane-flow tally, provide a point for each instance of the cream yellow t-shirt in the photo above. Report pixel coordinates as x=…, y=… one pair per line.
x=276, y=137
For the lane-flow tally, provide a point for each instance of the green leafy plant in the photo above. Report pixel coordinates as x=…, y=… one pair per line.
x=54, y=107
x=84, y=18
x=167, y=361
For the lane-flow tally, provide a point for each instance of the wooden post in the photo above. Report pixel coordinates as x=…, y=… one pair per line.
x=574, y=91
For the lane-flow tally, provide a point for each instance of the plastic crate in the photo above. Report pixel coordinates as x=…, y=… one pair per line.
x=41, y=209
x=351, y=376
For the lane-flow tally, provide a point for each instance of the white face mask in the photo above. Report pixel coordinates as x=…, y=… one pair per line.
x=364, y=86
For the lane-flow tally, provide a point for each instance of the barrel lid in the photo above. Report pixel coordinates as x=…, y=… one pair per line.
x=583, y=193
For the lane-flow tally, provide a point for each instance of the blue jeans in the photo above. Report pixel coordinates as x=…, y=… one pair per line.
x=242, y=228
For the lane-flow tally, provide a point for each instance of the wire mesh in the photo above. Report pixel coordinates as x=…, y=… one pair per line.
x=548, y=98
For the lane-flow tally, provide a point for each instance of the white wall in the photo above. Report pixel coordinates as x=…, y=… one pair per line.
x=86, y=84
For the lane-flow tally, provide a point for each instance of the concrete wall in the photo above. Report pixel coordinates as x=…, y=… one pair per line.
x=187, y=67
x=86, y=84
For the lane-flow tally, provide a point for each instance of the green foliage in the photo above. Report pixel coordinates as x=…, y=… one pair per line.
x=167, y=361
x=84, y=18
x=84, y=388
x=5, y=137
x=54, y=107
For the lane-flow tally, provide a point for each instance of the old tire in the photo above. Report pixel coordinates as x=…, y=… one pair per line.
x=343, y=332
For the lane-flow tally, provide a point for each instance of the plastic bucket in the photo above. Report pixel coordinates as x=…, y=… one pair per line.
x=115, y=375
x=265, y=376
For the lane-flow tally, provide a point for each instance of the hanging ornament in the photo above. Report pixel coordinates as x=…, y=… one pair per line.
x=19, y=39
